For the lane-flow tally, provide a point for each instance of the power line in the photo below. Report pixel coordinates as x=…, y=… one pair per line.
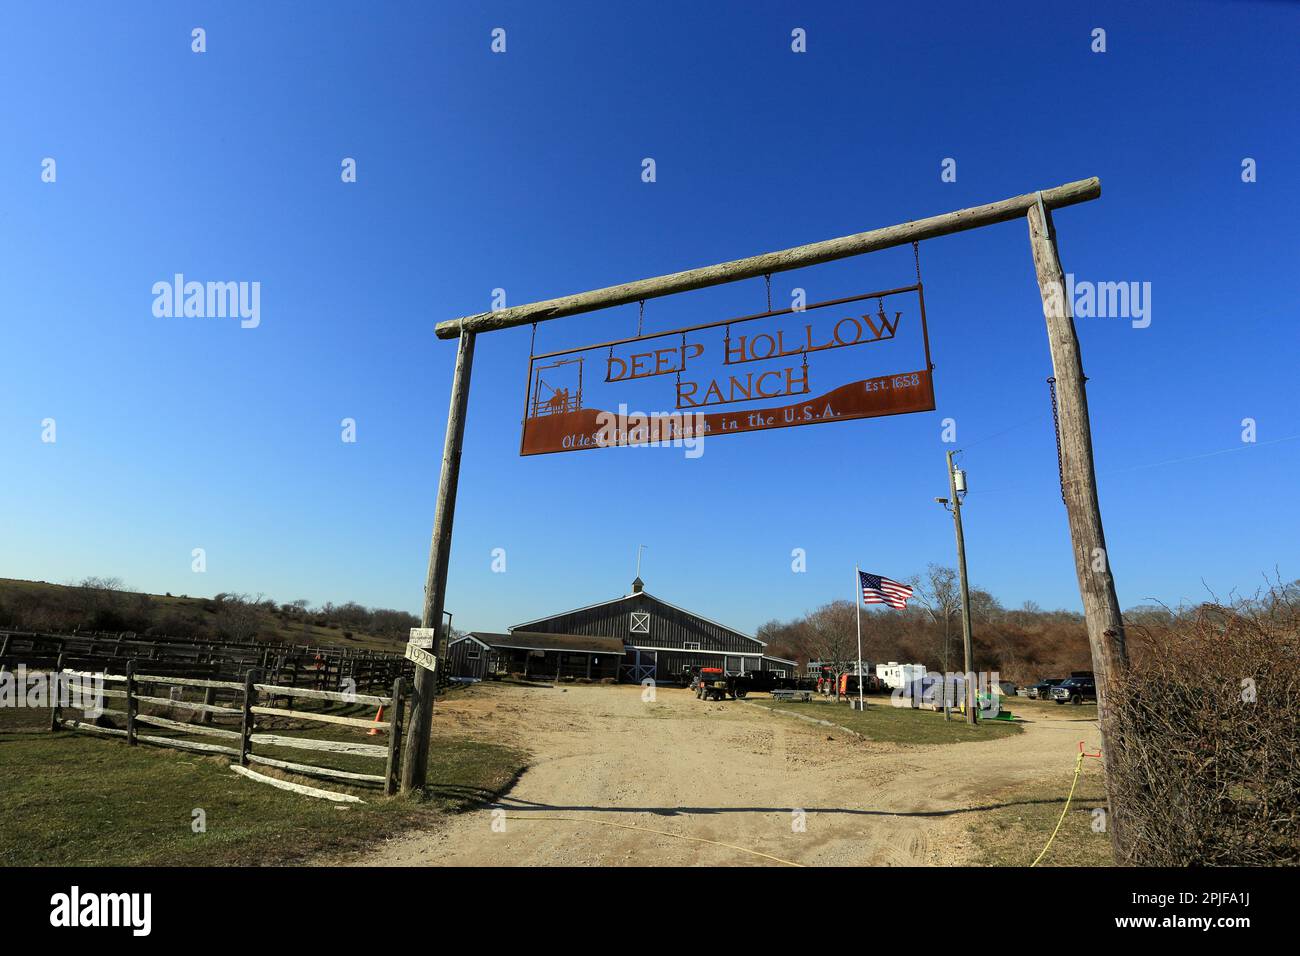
x=1159, y=464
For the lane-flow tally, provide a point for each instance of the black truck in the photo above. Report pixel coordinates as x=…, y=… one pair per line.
x=1075, y=690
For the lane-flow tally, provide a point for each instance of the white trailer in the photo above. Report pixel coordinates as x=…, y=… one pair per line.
x=896, y=675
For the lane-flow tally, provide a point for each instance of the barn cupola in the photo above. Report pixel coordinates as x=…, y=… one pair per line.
x=637, y=585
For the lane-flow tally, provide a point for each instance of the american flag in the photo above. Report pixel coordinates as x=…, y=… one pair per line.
x=881, y=590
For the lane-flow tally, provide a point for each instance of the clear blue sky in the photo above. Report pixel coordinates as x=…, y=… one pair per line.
x=522, y=171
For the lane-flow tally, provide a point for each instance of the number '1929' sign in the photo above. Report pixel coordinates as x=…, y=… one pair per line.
x=857, y=357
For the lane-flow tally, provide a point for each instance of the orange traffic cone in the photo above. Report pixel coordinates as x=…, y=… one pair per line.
x=379, y=717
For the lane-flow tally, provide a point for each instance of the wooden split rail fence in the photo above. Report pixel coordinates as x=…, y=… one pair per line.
x=321, y=666
x=248, y=703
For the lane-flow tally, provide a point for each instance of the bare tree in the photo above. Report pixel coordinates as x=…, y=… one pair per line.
x=939, y=592
x=102, y=584
x=787, y=639
x=102, y=604
x=832, y=637
x=984, y=607
x=237, y=617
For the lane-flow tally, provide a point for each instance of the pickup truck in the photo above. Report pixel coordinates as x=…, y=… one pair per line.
x=1043, y=689
x=1075, y=690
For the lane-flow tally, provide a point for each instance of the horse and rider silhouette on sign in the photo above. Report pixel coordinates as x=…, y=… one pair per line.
x=558, y=402
x=561, y=399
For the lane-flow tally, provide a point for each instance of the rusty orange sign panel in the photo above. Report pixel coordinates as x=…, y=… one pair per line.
x=857, y=357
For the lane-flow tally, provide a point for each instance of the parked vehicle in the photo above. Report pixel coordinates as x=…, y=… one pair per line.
x=895, y=675
x=714, y=684
x=764, y=681
x=1075, y=690
x=1043, y=689
x=871, y=684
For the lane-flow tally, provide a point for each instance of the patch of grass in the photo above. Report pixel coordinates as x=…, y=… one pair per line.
x=903, y=725
x=70, y=799
x=1015, y=833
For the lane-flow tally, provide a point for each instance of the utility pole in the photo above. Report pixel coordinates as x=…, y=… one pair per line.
x=415, y=762
x=955, y=491
x=947, y=702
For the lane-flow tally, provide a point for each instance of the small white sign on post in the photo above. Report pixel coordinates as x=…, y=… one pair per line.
x=421, y=657
x=424, y=636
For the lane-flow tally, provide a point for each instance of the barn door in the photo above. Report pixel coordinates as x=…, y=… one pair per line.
x=639, y=665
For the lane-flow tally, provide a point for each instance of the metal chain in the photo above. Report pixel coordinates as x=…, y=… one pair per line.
x=680, y=362
x=767, y=277
x=1056, y=424
x=533, y=342
x=916, y=254
x=640, y=319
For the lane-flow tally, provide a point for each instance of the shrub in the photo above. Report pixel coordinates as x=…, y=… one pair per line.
x=1204, y=737
x=177, y=624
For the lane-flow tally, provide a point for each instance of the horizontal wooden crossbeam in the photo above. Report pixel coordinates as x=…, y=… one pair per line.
x=797, y=257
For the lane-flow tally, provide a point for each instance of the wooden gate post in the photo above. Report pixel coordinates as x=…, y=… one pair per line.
x=393, y=769
x=1079, y=489
x=415, y=761
x=246, y=722
x=131, y=703
x=56, y=686
x=209, y=697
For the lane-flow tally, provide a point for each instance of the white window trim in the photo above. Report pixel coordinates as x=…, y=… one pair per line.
x=640, y=622
x=646, y=647
x=691, y=646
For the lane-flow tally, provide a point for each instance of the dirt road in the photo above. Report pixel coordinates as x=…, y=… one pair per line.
x=610, y=769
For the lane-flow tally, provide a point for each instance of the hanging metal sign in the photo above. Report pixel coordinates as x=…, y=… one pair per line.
x=857, y=357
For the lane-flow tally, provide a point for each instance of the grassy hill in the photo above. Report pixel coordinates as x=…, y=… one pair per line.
x=98, y=604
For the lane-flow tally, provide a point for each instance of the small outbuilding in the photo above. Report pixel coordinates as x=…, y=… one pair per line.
x=470, y=657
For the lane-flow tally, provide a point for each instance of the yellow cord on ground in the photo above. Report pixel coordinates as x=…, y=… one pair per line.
x=680, y=836
x=1078, y=765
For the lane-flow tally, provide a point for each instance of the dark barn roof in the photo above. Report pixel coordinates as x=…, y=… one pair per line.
x=687, y=623
x=576, y=643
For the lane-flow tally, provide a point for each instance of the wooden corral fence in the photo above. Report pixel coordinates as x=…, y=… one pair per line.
x=324, y=667
x=240, y=714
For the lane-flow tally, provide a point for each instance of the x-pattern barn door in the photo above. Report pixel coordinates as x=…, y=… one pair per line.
x=642, y=665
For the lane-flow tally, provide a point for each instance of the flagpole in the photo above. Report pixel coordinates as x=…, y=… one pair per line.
x=857, y=610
